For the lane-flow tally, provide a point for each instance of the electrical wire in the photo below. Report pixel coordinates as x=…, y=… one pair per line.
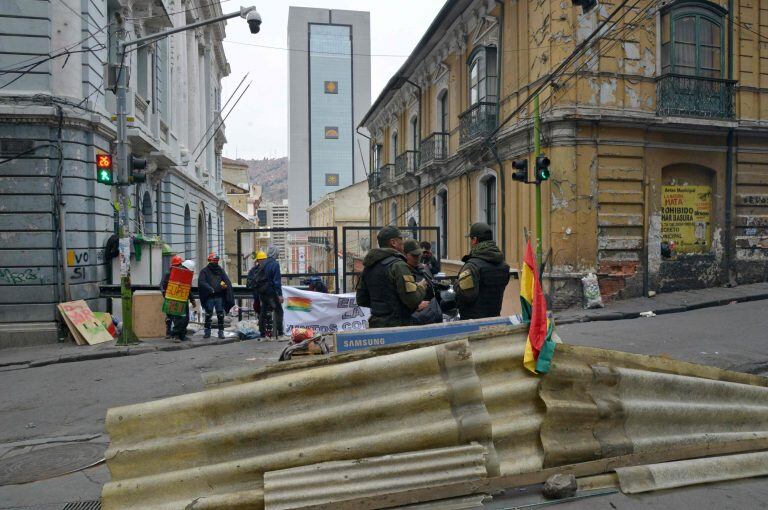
x=178, y=12
x=223, y=121
x=30, y=68
x=222, y=109
x=79, y=15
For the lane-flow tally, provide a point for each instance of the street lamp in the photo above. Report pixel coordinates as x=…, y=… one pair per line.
x=126, y=163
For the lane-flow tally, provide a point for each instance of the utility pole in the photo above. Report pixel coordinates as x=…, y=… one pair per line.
x=537, y=153
x=125, y=161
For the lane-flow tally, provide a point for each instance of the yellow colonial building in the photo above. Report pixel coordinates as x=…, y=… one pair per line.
x=657, y=137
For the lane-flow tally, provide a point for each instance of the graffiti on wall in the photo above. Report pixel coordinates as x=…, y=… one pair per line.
x=16, y=276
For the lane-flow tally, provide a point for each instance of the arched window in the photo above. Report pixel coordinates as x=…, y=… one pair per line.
x=692, y=39
x=414, y=142
x=393, y=213
x=187, y=234
x=412, y=224
x=441, y=210
x=393, y=148
x=487, y=200
x=482, y=75
x=379, y=215
x=442, y=112
x=146, y=213
x=210, y=235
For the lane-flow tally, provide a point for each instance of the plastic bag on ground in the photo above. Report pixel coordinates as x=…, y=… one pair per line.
x=592, y=298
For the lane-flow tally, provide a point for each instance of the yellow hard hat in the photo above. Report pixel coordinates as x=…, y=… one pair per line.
x=260, y=255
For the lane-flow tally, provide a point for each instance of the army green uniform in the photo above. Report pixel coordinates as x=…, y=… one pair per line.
x=388, y=288
x=481, y=283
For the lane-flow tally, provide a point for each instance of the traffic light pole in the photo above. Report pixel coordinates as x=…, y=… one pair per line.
x=123, y=149
x=537, y=153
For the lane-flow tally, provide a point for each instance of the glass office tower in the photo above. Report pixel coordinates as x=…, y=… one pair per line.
x=329, y=68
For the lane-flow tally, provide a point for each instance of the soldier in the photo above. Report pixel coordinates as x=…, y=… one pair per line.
x=387, y=286
x=483, y=277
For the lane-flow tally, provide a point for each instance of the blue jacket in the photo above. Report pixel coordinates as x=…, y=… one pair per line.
x=272, y=270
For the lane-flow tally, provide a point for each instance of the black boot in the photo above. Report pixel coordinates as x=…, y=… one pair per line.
x=207, y=325
x=220, y=319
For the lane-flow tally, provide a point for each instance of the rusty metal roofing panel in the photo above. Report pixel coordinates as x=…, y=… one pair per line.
x=670, y=475
x=511, y=394
x=212, y=448
x=341, y=480
x=597, y=408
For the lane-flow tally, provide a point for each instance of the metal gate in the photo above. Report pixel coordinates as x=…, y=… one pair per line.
x=304, y=252
x=356, y=241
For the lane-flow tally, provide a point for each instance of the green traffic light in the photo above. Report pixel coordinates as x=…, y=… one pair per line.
x=104, y=176
x=544, y=174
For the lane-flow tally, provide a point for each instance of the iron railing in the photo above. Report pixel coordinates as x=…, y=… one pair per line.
x=680, y=95
x=479, y=120
x=434, y=148
x=374, y=179
x=387, y=173
x=406, y=162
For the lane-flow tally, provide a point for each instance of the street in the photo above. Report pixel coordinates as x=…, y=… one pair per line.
x=70, y=400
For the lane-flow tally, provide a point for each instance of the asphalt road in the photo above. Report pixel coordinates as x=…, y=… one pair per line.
x=71, y=399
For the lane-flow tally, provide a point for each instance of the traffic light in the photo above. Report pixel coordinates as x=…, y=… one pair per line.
x=542, y=168
x=135, y=165
x=521, y=170
x=104, y=169
x=586, y=5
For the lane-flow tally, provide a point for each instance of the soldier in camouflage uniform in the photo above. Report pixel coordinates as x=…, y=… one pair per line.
x=483, y=277
x=387, y=286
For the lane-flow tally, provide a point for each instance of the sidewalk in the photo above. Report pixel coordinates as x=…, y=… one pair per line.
x=673, y=302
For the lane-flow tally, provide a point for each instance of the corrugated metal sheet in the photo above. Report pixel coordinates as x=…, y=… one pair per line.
x=670, y=475
x=342, y=480
x=212, y=448
x=597, y=408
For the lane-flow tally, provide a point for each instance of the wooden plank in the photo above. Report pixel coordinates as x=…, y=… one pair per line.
x=591, y=468
x=80, y=319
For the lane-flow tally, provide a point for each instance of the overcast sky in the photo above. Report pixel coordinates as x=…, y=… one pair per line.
x=258, y=127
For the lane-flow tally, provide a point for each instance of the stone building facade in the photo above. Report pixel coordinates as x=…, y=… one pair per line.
x=656, y=138
x=56, y=71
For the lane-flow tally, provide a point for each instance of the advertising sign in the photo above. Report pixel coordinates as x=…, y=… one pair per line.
x=685, y=217
x=324, y=313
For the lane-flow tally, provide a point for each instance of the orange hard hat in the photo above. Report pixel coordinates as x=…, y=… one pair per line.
x=176, y=260
x=212, y=256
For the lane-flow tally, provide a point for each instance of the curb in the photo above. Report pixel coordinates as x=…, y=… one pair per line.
x=662, y=310
x=116, y=353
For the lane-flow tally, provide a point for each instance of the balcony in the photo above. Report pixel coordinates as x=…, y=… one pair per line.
x=387, y=174
x=434, y=148
x=374, y=179
x=406, y=162
x=477, y=122
x=680, y=95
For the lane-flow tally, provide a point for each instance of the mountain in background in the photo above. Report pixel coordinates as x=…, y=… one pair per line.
x=271, y=174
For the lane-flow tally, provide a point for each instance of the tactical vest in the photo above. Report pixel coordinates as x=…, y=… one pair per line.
x=386, y=307
x=493, y=280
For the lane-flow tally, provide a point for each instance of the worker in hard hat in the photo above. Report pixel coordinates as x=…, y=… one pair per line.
x=176, y=261
x=216, y=294
x=250, y=283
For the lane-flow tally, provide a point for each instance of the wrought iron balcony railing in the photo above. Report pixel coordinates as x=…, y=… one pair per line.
x=374, y=179
x=478, y=121
x=406, y=162
x=434, y=148
x=680, y=95
x=387, y=173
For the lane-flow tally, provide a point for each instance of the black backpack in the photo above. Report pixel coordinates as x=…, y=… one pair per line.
x=260, y=283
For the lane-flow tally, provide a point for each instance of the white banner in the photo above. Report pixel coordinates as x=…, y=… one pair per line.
x=325, y=313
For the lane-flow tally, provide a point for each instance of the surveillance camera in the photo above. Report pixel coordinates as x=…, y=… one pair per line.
x=254, y=21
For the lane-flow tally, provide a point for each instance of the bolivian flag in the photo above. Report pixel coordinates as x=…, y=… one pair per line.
x=299, y=304
x=539, y=347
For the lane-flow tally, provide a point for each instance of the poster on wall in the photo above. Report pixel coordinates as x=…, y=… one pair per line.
x=685, y=217
x=325, y=313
